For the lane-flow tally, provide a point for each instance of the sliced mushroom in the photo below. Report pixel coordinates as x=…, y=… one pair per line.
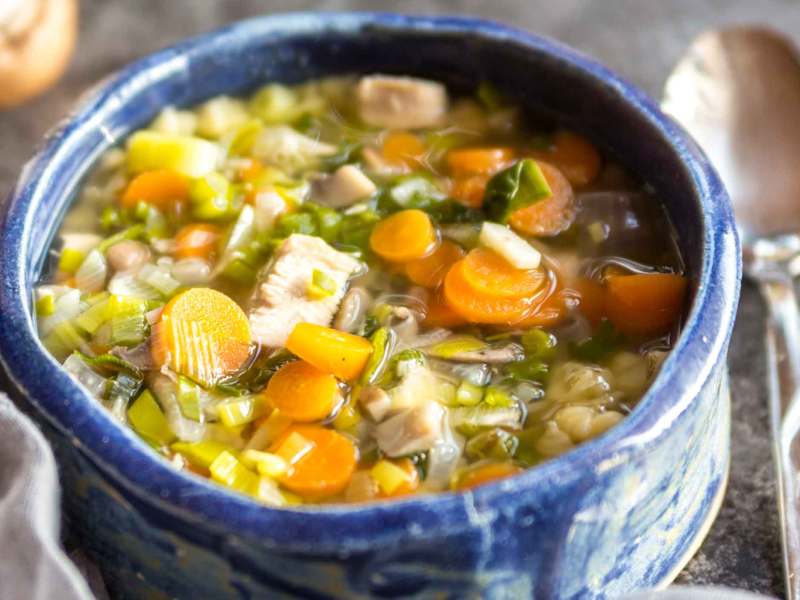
x=400, y=102
x=352, y=310
x=346, y=186
x=375, y=401
x=413, y=430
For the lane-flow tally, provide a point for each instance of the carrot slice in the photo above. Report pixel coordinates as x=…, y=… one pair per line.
x=403, y=149
x=439, y=314
x=575, y=156
x=404, y=236
x=489, y=274
x=486, y=473
x=430, y=270
x=330, y=350
x=479, y=308
x=198, y=240
x=162, y=188
x=469, y=189
x=202, y=334
x=479, y=161
x=645, y=304
x=324, y=470
x=302, y=392
x=552, y=215
x=549, y=313
x=592, y=299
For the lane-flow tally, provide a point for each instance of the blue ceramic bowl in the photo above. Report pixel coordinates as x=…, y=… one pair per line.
x=621, y=512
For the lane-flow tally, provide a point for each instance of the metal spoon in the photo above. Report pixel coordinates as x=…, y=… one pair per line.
x=737, y=91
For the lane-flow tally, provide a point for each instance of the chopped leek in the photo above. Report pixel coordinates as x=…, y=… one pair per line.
x=189, y=398
x=299, y=222
x=128, y=330
x=201, y=454
x=227, y=470
x=498, y=398
x=495, y=443
x=322, y=285
x=93, y=317
x=468, y=394
x=88, y=377
x=456, y=345
x=383, y=341
x=148, y=420
x=294, y=448
x=538, y=343
x=266, y=463
x=388, y=476
x=113, y=364
x=91, y=275
x=159, y=279
x=241, y=143
x=63, y=340
x=211, y=197
x=191, y=156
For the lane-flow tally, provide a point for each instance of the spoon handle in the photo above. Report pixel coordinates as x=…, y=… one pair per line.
x=783, y=365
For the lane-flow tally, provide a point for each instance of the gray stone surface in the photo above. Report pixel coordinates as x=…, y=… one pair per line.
x=639, y=38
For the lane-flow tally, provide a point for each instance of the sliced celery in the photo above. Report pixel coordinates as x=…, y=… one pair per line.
x=189, y=398
x=322, y=285
x=211, y=197
x=294, y=448
x=202, y=454
x=148, y=420
x=63, y=339
x=93, y=317
x=456, y=345
x=227, y=470
x=191, y=156
x=266, y=463
x=128, y=330
x=159, y=279
x=234, y=412
x=91, y=275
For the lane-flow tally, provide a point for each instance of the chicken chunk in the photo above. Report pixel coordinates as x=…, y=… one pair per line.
x=413, y=430
x=282, y=300
x=400, y=102
x=346, y=186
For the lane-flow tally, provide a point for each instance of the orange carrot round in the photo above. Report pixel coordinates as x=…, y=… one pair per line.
x=162, y=188
x=479, y=161
x=479, y=308
x=404, y=236
x=439, y=314
x=403, y=149
x=326, y=469
x=575, y=156
x=490, y=274
x=487, y=473
x=645, y=304
x=330, y=350
x=469, y=189
x=592, y=299
x=202, y=334
x=302, y=392
x=198, y=240
x=430, y=270
x=552, y=215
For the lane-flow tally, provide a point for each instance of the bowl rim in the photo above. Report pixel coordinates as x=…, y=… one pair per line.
x=150, y=479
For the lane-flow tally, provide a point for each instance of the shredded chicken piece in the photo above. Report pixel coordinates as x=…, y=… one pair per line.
x=281, y=300
x=401, y=102
x=412, y=430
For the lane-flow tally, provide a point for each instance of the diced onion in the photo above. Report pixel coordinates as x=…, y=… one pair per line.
x=510, y=246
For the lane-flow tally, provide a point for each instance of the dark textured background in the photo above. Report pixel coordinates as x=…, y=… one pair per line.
x=641, y=39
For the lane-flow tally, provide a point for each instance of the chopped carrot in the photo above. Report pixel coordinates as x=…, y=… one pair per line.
x=202, y=334
x=487, y=473
x=330, y=350
x=430, y=270
x=479, y=161
x=552, y=215
x=403, y=149
x=480, y=308
x=163, y=189
x=250, y=170
x=198, y=240
x=592, y=299
x=439, y=314
x=323, y=471
x=489, y=274
x=645, y=304
x=469, y=189
x=302, y=392
x=404, y=236
x=550, y=312
x=575, y=157
x=411, y=483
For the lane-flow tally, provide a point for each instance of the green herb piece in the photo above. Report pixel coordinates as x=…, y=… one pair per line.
x=530, y=369
x=602, y=342
x=321, y=286
x=148, y=420
x=539, y=344
x=514, y=188
x=111, y=363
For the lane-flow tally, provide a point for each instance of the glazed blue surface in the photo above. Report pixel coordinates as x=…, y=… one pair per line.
x=618, y=513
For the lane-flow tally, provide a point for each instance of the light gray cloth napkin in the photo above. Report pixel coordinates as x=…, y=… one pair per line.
x=32, y=564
